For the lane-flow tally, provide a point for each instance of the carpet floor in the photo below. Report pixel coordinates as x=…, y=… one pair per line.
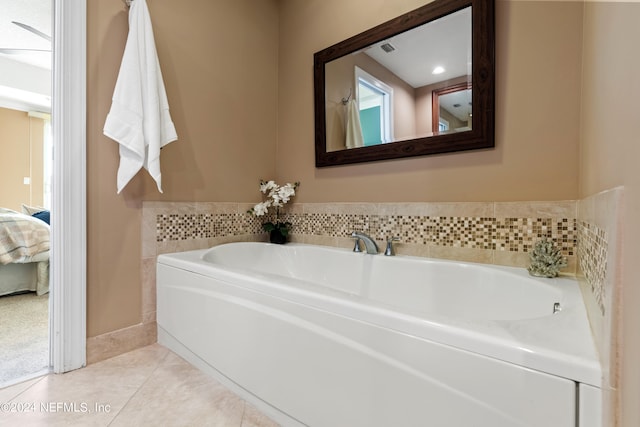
x=24, y=335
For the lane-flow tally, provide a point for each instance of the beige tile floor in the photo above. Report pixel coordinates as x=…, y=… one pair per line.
x=150, y=386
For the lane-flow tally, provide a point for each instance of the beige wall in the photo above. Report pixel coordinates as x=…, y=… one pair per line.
x=609, y=154
x=21, y=140
x=537, y=101
x=219, y=63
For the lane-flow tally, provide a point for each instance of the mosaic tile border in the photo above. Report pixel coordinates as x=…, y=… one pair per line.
x=592, y=257
x=501, y=234
x=177, y=227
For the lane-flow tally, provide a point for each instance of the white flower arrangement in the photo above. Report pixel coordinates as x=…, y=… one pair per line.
x=276, y=197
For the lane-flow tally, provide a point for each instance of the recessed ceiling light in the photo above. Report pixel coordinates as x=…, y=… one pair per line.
x=438, y=70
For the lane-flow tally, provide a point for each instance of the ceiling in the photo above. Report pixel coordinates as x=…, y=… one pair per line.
x=34, y=13
x=25, y=77
x=445, y=42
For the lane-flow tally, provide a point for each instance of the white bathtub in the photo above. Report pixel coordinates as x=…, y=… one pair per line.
x=322, y=336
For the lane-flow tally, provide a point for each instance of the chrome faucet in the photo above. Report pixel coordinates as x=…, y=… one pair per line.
x=369, y=243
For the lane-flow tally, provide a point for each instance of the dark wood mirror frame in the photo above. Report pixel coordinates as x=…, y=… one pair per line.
x=483, y=80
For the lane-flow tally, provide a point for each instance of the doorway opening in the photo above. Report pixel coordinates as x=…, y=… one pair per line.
x=25, y=202
x=67, y=320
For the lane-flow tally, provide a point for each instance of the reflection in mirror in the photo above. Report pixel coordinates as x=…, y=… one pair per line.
x=374, y=92
x=394, y=80
x=452, y=109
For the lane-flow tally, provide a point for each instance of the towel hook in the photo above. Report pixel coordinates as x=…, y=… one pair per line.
x=345, y=101
x=128, y=2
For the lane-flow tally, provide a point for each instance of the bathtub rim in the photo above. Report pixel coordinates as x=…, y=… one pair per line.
x=547, y=290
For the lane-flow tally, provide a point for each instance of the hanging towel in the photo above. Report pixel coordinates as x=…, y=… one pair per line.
x=139, y=118
x=354, y=129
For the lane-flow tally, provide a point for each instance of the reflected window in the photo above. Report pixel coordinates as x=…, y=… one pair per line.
x=375, y=100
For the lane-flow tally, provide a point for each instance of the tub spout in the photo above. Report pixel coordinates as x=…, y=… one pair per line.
x=369, y=243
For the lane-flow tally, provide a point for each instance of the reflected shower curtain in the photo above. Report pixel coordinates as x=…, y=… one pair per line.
x=354, y=129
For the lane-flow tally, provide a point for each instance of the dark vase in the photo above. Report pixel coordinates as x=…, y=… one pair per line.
x=276, y=236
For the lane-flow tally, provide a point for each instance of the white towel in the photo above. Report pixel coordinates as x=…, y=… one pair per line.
x=354, y=137
x=139, y=117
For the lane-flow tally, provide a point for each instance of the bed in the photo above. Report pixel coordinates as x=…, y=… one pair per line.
x=24, y=253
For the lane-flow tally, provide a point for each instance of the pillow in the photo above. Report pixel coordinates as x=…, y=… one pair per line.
x=7, y=211
x=30, y=210
x=42, y=215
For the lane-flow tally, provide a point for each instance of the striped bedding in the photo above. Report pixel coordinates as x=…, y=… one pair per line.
x=21, y=237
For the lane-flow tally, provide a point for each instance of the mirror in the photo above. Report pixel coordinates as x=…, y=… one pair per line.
x=390, y=92
x=452, y=109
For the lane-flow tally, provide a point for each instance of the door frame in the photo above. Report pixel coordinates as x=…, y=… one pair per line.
x=68, y=317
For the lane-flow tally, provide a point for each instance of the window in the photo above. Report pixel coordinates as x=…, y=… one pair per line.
x=47, y=162
x=443, y=124
x=47, y=157
x=375, y=101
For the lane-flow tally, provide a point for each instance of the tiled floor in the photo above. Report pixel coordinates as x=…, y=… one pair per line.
x=147, y=387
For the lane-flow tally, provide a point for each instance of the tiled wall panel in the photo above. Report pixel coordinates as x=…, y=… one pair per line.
x=501, y=233
x=599, y=240
x=592, y=258
x=418, y=225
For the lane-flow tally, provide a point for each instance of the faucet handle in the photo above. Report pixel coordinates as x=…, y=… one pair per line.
x=390, y=251
x=356, y=246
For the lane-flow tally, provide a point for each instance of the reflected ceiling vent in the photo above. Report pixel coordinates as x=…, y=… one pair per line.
x=387, y=47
